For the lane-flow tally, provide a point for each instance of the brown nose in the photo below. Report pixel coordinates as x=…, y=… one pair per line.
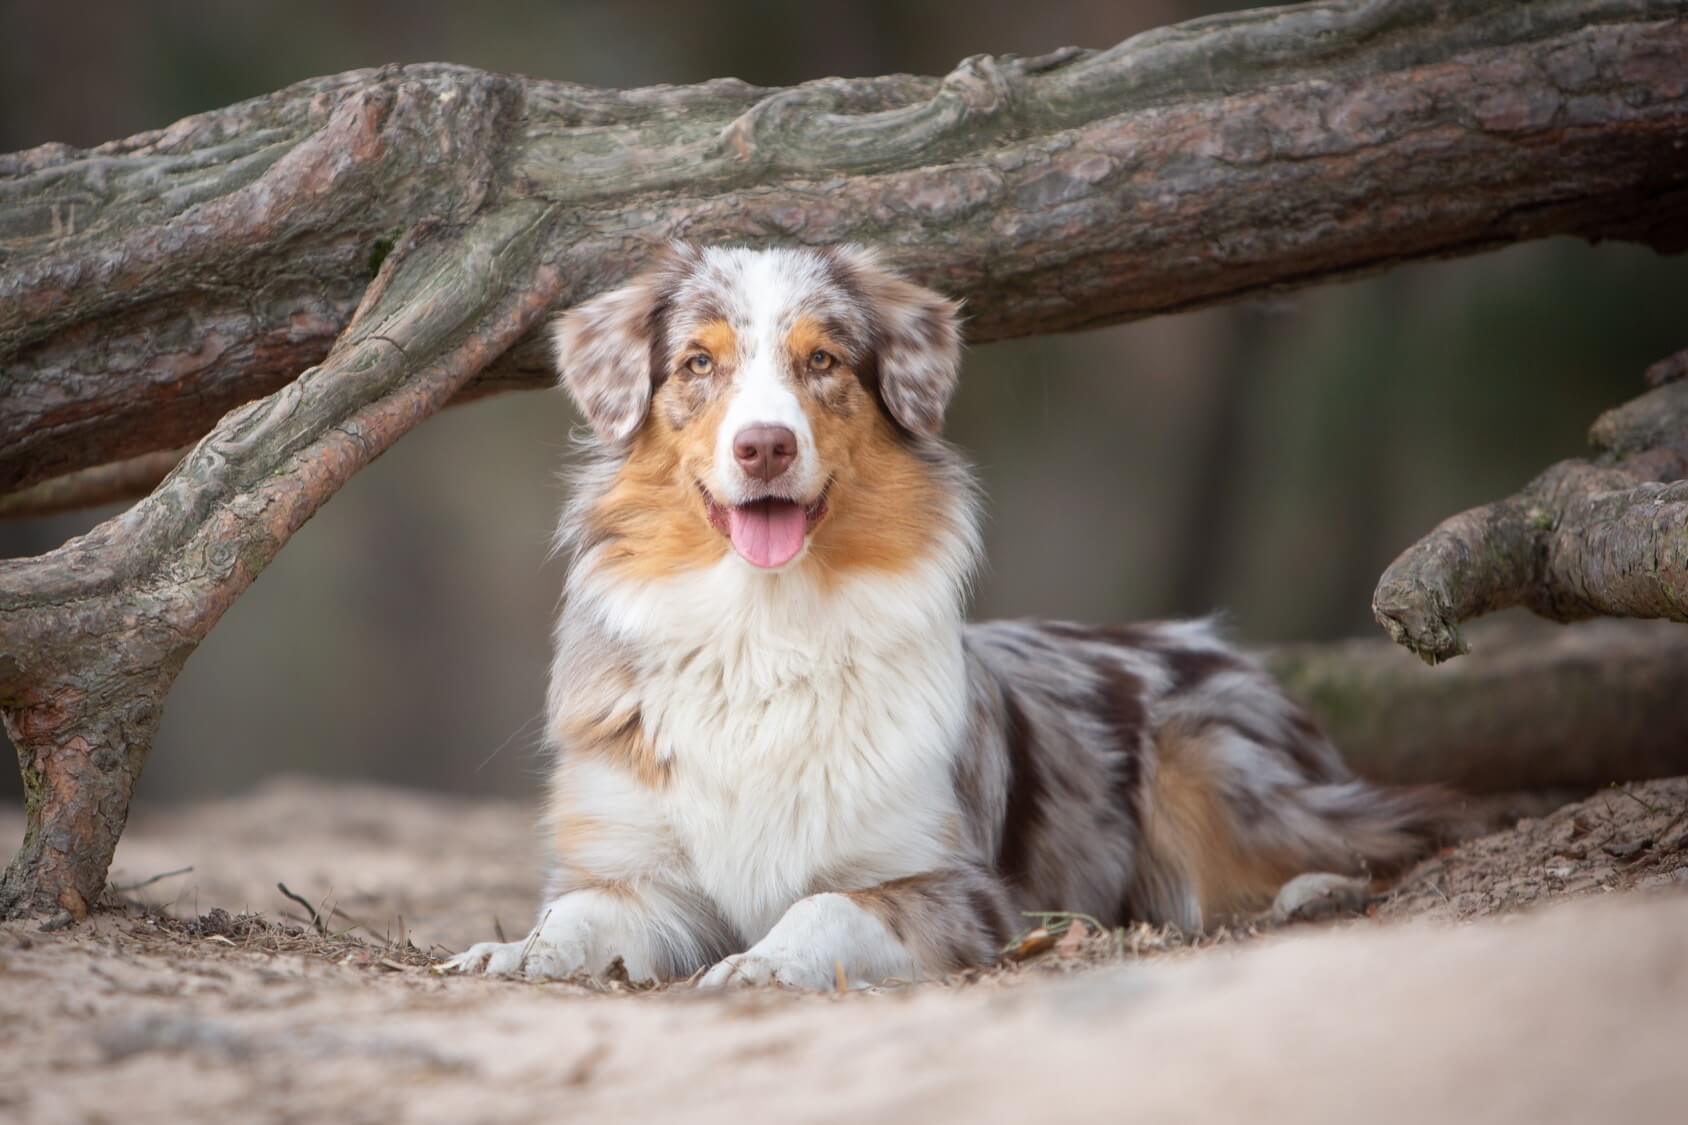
x=765, y=452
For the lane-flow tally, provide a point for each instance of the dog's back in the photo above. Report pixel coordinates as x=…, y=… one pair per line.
x=1153, y=773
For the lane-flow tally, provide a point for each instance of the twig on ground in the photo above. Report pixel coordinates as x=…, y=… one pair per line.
x=125, y=888
x=521, y=965
x=316, y=919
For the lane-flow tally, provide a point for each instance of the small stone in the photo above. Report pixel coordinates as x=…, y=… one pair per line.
x=1319, y=895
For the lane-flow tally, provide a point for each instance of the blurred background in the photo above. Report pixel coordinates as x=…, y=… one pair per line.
x=1266, y=459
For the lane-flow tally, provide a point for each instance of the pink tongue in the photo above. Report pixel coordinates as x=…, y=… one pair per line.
x=766, y=533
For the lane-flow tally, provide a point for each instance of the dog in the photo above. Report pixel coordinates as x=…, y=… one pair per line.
x=781, y=753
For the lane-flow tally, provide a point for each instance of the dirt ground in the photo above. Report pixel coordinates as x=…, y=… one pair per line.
x=1471, y=990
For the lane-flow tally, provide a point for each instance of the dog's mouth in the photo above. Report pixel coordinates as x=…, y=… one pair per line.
x=767, y=532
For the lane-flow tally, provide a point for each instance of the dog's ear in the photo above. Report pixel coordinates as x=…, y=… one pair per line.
x=607, y=349
x=916, y=340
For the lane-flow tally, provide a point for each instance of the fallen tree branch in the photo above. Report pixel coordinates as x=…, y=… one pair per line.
x=152, y=284
x=1534, y=707
x=1603, y=537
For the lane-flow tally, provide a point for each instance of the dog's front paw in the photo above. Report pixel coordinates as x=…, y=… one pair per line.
x=535, y=958
x=749, y=970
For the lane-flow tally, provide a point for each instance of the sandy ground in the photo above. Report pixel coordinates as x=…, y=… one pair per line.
x=1471, y=991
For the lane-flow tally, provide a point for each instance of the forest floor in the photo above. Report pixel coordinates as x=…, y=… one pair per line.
x=1467, y=991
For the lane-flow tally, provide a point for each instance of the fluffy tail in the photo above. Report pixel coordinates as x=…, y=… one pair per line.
x=1230, y=817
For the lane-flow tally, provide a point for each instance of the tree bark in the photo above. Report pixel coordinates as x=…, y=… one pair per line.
x=1607, y=536
x=93, y=486
x=93, y=634
x=152, y=284
x=1534, y=707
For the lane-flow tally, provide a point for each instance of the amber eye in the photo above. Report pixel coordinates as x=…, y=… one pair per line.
x=821, y=361
x=700, y=364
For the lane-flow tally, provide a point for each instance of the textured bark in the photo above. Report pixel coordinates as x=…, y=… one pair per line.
x=90, y=487
x=154, y=283
x=1534, y=707
x=92, y=635
x=1603, y=537
x=398, y=233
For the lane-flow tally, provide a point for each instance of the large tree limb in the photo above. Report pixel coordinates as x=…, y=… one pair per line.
x=1602, y=537
x=154, y=283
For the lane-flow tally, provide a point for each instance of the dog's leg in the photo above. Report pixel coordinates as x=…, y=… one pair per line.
x=654, y=935
x=909, y=929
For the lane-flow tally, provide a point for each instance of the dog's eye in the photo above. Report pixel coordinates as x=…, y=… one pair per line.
x=821, y=361
x=700, y=364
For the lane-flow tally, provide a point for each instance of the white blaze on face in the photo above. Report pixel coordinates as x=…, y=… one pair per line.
x=765, y=298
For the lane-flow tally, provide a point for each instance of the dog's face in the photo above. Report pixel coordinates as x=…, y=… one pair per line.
x=770, y=402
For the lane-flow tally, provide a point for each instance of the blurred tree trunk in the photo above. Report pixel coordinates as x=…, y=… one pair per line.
x=399, y=235
x=1534, y=707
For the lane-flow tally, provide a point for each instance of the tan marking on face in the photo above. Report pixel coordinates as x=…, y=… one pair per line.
x=830, y=385
x=1188, y=829
x=717, y=339
x=654, y=518
x=883, y=506
x=687, y=392
x=807, y=336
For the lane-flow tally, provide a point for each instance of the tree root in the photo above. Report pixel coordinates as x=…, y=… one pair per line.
x=1607, y=536
x=93, y=634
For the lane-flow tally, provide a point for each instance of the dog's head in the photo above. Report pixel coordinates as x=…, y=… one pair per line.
x=776, y=403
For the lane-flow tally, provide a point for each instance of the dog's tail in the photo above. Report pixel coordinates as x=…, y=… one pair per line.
x=1230, y=816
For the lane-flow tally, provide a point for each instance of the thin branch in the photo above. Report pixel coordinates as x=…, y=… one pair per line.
x=125, y=888
x=317, y=923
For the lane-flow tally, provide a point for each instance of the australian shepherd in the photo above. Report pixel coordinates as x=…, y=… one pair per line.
x=781, y=753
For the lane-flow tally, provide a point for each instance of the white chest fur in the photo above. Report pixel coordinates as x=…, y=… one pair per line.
x=809, y=729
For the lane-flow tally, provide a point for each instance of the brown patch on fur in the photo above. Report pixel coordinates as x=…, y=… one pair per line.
x=1189, y=831
x=621, y=738
x=832, y=387
x=652, y=520
x=577, y=878
x=807, y=336
x=884, y=502
x=715, y=337
x=947, y=920
x=572, y=832
x=681, y=395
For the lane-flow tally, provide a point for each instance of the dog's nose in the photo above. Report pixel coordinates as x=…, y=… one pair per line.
x=765, y=452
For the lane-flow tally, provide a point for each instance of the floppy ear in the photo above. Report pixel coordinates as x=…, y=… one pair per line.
x=606, y=348
x=916, y=342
